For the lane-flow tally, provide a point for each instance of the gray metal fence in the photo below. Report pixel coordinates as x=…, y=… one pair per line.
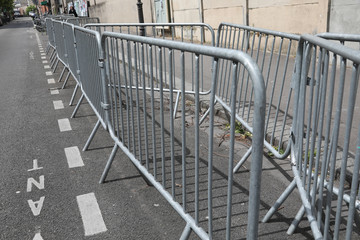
x=142, y=125
x=70, y=43
x=325, y=153
x=182, y=32
x=81, y=21
x=274, y=52
x=89, y=75
x=51, y=38
x=349, y=40
x=61, y=51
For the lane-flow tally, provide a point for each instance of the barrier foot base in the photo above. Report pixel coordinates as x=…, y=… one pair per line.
x=296, y=221
x=206, y=114
x=56, y=64
x=242, y=160
x=47, y=49
x=280, y=201
x=62, y=74
x=52, y=59
x=66, y=80
x=93, y=132
x=73, y=95
x=77, y=106
x=108, y=164
x=176, y=104
x=186, y=233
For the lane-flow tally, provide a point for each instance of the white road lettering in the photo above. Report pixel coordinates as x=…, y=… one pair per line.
x=39, y=185
x=36, y=206
x=38, y=237
x=35, y=166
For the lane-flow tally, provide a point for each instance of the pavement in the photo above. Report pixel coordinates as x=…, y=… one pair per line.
x=49, y=187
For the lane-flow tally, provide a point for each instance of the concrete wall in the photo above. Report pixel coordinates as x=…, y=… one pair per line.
x=122, y=11
x=212, y=12
x=344, y=16
x=293, y=16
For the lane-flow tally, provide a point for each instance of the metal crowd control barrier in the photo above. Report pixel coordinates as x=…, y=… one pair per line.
x=89, y=74
x=273, y=51
x=72, y=58
x=344, y=39
x=51, y=38
x=61, y=51
x=81, y=21
x=325, y=152
x=182, y=32
x=141, y=124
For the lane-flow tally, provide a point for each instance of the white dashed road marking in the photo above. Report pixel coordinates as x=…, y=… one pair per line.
x=49, y=73
x=46, y=67
x=73, y=157
x=90, y=214
x=51, y=81
x=64, y=125
x=54, y=91
x=58, y=104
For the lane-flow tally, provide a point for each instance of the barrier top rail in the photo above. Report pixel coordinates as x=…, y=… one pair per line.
x=158, y=25
x=81, y=21
x=340, y=36
x=131, y=137
x=256, y=29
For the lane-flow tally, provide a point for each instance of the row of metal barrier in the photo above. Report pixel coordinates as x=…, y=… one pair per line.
x=298, y=110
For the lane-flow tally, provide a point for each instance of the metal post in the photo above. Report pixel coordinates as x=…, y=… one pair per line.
x=141, y=17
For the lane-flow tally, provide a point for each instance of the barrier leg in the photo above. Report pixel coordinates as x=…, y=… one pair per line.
x=242, y=160
x=66, y=80
x=56, y=64
x=280, y=201
x=74, y=94
x=176, y=103
x=77, y=106
x=296, y=221
x=47, y=49
x=52, y=57
x=62, y=74
x=186, y=233
x=206, y=114
x=108, y=164
x=87, y=144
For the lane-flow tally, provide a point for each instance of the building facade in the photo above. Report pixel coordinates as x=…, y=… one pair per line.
x=293, y=16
